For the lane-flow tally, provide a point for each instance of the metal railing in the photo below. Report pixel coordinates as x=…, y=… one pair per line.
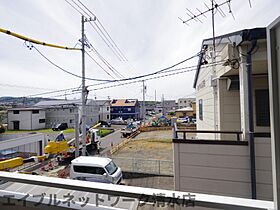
x=185, y=131
x=145, y=166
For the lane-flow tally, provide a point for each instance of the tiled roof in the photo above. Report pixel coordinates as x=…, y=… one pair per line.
x=124, y=102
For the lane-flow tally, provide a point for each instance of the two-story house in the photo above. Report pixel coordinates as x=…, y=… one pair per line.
x=26, y=118
x=125, y=108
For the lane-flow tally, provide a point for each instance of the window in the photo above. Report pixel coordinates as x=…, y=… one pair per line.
x=200, y=104
x=107, y=108
x=89, y=170
x=16, y=111
x=262, y=107
x=108, y=117
x=71, y=121
x=71, y=110
x=42, y=120
x=35, y=111
x=111, y=168
x=129, y=109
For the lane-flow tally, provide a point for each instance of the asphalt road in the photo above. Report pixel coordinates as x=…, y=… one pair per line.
x=113, y=138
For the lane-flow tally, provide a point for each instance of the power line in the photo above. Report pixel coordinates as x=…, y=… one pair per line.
x=119, y=80
x=35, y=41
x=98, y=64
x=179, y=71
x=96, y=28
x=115, y=71
x=66, y=71
x=121, y=53
x=104, y=83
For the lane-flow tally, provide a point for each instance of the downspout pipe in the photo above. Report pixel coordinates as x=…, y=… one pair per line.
x=251, y=120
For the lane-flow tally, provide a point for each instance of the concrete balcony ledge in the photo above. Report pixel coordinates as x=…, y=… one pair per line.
x=139, y=193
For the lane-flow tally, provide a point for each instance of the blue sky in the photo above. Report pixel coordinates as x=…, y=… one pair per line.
x=148, y=32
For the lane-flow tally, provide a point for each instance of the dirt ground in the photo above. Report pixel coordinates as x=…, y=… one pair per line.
x=149, y=145
x=161, y=135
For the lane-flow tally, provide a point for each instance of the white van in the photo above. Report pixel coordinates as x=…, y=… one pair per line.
x=95, y=169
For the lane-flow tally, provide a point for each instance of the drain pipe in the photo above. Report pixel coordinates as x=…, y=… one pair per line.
x=251, y=120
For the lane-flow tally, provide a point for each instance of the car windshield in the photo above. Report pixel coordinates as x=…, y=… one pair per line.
x=111, y=168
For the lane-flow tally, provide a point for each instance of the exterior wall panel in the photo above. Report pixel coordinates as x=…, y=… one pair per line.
x=222, y=169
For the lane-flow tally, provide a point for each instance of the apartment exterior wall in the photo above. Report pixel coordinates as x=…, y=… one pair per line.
x=228, y=107
x=27, y=120
x=229, y=110
x=105, y=113
x=125, y=112
x=205, y=103
x=185, y=102
x=55, y=115
x=222, y=169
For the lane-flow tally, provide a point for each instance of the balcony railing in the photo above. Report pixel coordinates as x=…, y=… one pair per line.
x=147, y=195
x=185, y=131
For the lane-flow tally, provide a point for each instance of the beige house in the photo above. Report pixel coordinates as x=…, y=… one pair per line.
x=222, y=88
x=231, y=154
x=184, y=112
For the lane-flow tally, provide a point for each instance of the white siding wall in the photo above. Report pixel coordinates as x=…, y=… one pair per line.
x=105, y=113
x=205, y=93
x=222, y=169
x=35, y=120
x=229, y=110
x=27, y=120
x=61, y=115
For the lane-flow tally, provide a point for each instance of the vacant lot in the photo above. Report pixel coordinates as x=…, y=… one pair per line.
x=149, y=145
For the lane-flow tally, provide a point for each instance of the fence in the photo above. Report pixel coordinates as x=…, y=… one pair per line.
x=146, y=166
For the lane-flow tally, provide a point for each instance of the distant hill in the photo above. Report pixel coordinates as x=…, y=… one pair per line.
x=22, y=101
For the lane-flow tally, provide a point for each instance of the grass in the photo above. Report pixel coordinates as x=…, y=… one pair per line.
x=46, y=130
x=105, y=132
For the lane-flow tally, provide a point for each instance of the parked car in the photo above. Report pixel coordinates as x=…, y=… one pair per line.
x=183, y=120
x=104, y=123
x=60, y=127
x=95, y=169
x=118, y=121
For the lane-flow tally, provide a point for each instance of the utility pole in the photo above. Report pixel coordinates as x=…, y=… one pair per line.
x=83, y=89
x=144, y=109
x=77, y=140
x=163, y=111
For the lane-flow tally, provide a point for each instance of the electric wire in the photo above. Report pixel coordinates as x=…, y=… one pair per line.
x=121, y=53
x=117, y=80
x=175, y=72
x=110, y=67
x=100, y=31
x=104, y=83
x=99, y=64
x=35, y=41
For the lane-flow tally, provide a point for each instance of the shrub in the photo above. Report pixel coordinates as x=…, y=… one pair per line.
x=2, y=129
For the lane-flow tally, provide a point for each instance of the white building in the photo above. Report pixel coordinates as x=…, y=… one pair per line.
x=104, y=109
x=26, y=118
x=185, y=102
x=63, y=111
x=217, y=162
x=59, y=111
